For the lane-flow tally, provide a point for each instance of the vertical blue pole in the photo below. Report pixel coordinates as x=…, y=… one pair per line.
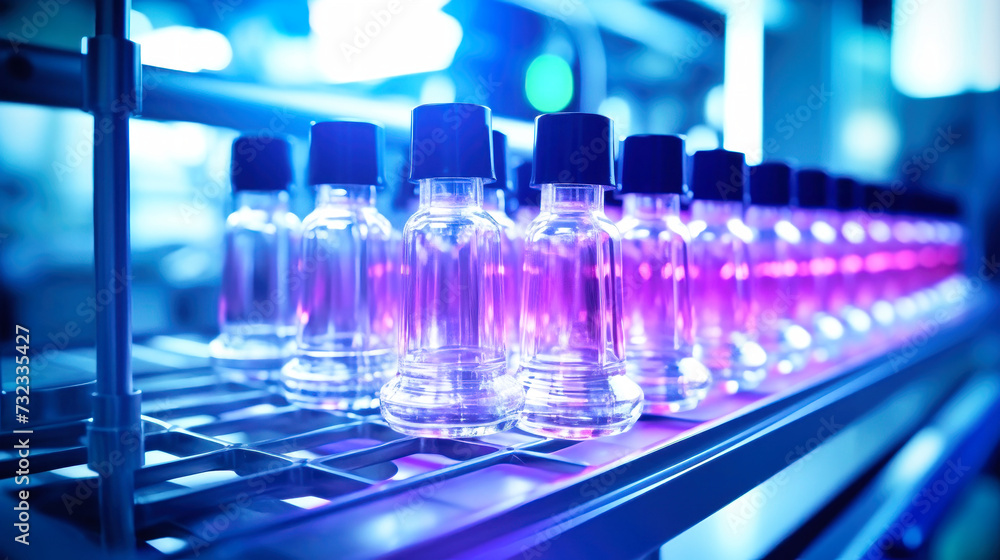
x=112, y=93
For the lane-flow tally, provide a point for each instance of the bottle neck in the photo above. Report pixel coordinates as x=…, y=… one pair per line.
x=494, y=199
x=652, y=206
x=261, y=200
x=345, y=195
x=562, y=198
x=765, y=217
x=716, y=212
x=451, y=193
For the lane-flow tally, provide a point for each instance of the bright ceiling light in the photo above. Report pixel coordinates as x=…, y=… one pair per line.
x=189, y=49
x=366, y=40
x=941, y=48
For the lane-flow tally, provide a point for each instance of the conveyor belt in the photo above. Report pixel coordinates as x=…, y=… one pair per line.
x=227, y=463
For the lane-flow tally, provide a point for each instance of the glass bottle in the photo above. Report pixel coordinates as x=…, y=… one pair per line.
x=877, y=286
x=720, y=272
x=257, y=302
x=453, y=379
x=817, y=271
x=773, y=260
x=346, y=347
x=528, y=198
x=850, y=297
x=572, y=337
x=657, y=302
x=495, y=203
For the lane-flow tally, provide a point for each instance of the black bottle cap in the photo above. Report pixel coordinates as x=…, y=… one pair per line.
x=845, y=194
x=810, y=188
x=770, y=184
x=574, y=148
x=526, y=194
x=499, y=161
x=451, y=140
x=947, y=206
x=718, y=175
x=346, y=153
x=876, y=199
x=261, y=163
x=653, y=164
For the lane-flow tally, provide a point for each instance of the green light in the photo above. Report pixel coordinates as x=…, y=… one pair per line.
x=549, y=83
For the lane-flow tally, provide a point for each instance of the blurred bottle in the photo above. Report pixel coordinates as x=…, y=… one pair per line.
x=258, y=298
x=817, y=272
x=495, y=203
x=346, y=344
x=850, y=298
x=528, y=198
x=720, y=272
x=948, y=240
x=453, y=379
x=904, y=274
x=878, y=285
x=923, y=243
x=657, y=299
x=686, y=209
x=572, y=342
x=614, y=207
x=777, y=242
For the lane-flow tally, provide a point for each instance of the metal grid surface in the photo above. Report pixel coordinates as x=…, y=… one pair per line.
x=226, y=461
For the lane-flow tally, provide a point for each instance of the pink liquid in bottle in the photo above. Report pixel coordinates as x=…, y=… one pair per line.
x=817, y=273
x=850, y=299
x=774, y=267
x=657, y=300
x=572, y=337
x=720, y=272
x=453, y=379
x=511, y=246
x=346, y=342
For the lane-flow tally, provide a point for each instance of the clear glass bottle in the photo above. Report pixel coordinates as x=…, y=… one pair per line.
x=528, y=198
x=817, y=267
x=657, y=300
x=720, y=272
x=572, y=336
x=878, y=289
x=346, y=342
x=850, y=300
x=453, y=379
x=774, y=267
x=923, y=245
x=258, y=298
x=495, y=203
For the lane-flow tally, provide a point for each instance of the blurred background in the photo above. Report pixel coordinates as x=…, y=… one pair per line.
x=903, y=91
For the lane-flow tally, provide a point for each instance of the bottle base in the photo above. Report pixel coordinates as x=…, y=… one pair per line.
x=738, y=367
x=451, y=400
x=670, y=385
x=667, y=408
x=578, y=402
x=250, y=360
x=343, y=383
x=558, y=431
x=247, y=376
x=443, y=431
x=783, y=361
x=738, y=380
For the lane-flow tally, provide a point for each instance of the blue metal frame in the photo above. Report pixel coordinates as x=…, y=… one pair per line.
x=111, y=93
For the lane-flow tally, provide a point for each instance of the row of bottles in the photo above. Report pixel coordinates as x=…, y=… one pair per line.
x=557, y=319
